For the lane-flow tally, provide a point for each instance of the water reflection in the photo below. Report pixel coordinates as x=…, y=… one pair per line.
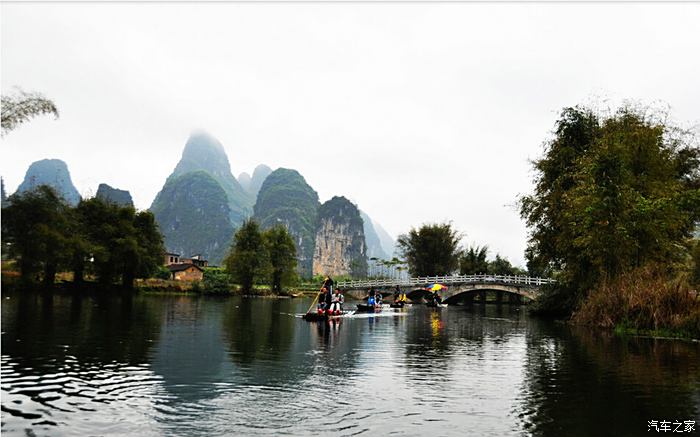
x=183, y=365
x=74, y=356
x=615, y=385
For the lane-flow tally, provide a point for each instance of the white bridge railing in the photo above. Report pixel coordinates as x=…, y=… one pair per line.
x=445, y=280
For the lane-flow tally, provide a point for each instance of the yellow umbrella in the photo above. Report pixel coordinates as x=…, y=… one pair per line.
x=436, y=287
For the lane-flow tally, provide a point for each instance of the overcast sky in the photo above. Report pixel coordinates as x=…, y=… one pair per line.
x=417, y=112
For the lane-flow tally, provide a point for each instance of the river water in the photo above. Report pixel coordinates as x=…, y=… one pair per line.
x=196, y=366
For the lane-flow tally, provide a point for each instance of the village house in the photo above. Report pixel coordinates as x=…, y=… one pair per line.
x=185, y=269
x=186, y=272
x=171, y=258
x=197, y=260
x=175, y=258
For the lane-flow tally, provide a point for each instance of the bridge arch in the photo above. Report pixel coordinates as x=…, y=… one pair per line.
x=459, y=286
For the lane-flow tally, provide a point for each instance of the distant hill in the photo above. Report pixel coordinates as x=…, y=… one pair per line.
x=245, y=180
x=285, y=198
x=114, y=195
x=260, y=173
x=374, y=244
x=388, y=243
x=252, y=184
x=340, y=240
x=204, y=152
x=52, y=172
x=193, y=213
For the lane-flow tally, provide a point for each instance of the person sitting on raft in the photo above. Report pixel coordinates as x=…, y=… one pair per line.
x=321, y=307
x=436, y=298
x=377, y=299
x=337, y=303
x=399, y=296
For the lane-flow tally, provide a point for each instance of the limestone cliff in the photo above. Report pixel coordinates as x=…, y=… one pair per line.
x=193, y=214
x=340, y=240
x=54, y=173
x=114, y=195
x=285, y=198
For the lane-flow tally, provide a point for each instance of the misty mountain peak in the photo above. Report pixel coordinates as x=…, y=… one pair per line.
x=244, y=179
x=52, y=172
x=203, y=152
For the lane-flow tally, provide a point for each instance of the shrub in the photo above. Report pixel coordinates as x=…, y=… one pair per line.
x=645, y=299
x=162, y=273
x=216, y=281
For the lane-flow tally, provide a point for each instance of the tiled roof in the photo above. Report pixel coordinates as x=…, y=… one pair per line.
x=183, y=266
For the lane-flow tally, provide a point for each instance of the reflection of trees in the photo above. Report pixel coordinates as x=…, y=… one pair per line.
x=272, y=346
x=191, y=355
x=42, y=329
x=584, y=383
x=257, y=329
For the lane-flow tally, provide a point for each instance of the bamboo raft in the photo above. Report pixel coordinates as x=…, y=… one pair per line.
x=364, y=308
x=316, y=317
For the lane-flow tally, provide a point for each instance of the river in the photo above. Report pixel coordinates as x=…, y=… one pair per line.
x=200, y=366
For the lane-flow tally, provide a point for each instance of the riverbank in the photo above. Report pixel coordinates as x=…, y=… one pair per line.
x=65, y=283
x=644, y=302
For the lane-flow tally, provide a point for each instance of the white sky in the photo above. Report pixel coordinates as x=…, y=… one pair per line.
x=418, y=112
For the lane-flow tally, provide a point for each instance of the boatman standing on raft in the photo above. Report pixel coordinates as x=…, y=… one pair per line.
x=326, y=297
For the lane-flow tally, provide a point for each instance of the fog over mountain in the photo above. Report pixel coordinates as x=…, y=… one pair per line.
x=259, y=174
x=204, y=152
x=374, y=244
x=201, y=202
x=388, y=243
x=244, y=179
x=423, y=112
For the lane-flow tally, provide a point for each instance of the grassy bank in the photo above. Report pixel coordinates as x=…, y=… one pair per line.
x=645, y=301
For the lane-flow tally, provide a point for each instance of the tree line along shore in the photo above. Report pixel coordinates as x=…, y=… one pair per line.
x=613, y=218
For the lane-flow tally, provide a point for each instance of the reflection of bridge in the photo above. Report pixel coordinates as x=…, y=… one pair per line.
x=464, y=286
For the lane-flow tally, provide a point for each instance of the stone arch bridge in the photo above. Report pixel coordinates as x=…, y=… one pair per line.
x=459, y=287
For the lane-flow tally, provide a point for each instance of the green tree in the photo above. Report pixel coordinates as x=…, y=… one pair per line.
x=501, y=266
x=431, y=250
x=148, y=253
x=22, y=106
x=37, y=231
x=473, y=261
x=248, y=260
x=122, y=243
x=216, y=281
x=80, y=247
x=282, y=256
x=100, y=225
x=612, y=193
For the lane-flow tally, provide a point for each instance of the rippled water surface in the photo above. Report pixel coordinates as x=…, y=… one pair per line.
x=178, y=365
